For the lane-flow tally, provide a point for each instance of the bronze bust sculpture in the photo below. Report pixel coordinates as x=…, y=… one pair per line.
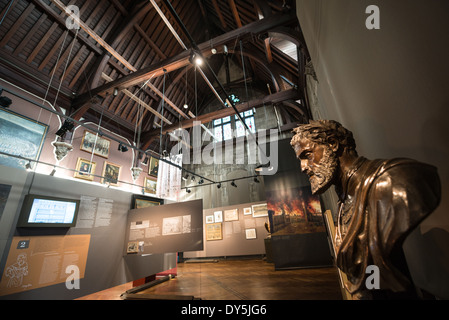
x=380, y=203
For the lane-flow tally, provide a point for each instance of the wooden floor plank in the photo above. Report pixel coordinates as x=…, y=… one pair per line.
x=248, y=279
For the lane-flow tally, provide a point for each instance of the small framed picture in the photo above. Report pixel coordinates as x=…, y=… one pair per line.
x=247, y=211
x=132, y=247
x=210, y=219
x=260, y=210
x=214, y=232
x=251, y=233
x=93, y=141
x=85, y=169
x=150, y=185
x=231, y=215
x=218, y=216
x=153, y=167
x=111, y=173
x=140, y=201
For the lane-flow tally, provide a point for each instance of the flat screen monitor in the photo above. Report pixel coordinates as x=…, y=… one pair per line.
x=47, y=211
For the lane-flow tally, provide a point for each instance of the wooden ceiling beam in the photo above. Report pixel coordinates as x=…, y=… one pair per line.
x=235, y=13
x=61, y=21
x=94, y=35
x=182, y=59
x=277, y=97
x=220, y=16
x=138, y=100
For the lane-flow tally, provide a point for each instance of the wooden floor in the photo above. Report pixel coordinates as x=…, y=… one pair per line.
x=252, y=279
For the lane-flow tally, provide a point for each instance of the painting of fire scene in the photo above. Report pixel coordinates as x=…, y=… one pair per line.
x=294, y=211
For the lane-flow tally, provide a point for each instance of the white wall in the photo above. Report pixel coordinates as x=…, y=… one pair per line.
x=390, y=88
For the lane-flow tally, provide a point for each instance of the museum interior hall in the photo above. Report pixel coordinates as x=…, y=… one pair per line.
x=224, y=150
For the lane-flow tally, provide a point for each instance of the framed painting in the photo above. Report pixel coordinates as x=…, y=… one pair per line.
x=153, y=167
x=231, y=215
x=150, y=185
x=100, y=145
x=210, y=219
x=111, y=173
x=218, y=216
x=213, y=231
x=85, y=169
x=20, y=136
x=132, y=247
x=260, y=210
x=250, y=233
x=247, y=211
x=140, y=201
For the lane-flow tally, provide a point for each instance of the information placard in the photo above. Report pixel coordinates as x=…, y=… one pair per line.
x=39, y=261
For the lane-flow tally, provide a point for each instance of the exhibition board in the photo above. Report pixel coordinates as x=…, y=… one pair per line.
x=175, y=227
x=236, y=230
x=39, y=261
x=102, y=216
x=299, y=237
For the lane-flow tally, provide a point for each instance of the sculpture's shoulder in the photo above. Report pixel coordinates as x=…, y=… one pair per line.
x=404, y=188
x=401, y=175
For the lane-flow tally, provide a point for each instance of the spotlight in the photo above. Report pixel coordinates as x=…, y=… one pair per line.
x=219, y=186
x=186, y=106
x=28, y=166
x=66, y=126
x=233, y=184
x=52, y=173
x=186, y=177
x=201, y=181
x=5, y=102
x=196, y=59
x=193, y=178
x=256, y=180
x=263, y=167
x=122, y=148
x=188, y=190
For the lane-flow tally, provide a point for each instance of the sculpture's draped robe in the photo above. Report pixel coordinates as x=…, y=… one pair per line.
x=391, y=198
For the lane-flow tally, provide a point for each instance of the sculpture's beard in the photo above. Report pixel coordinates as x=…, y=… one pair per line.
x=324, y=172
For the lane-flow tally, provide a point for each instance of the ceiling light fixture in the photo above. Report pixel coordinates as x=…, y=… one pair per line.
x=5, y=102
x=196, y=59
x=122, y=148
x=263, y=167
x=66, y=126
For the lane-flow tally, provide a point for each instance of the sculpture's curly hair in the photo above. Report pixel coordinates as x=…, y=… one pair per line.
x=324, y=132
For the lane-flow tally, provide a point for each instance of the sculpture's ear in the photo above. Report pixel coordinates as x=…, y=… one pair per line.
x=334, y=144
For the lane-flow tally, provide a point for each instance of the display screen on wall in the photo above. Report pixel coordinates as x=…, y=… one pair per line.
x=45, y=211
x=175, y=227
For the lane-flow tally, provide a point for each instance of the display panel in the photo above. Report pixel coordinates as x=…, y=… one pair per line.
x=46, y=211
x=174, y=227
